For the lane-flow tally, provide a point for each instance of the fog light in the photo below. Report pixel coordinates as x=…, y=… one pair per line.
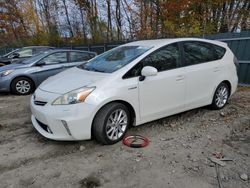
x=66, y=127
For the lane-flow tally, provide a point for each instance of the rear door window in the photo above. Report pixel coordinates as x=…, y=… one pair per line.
x=198, y=52
x=80, y=56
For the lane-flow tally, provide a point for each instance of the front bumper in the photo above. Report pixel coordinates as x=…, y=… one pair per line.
x=5, y=84
x=62, y=122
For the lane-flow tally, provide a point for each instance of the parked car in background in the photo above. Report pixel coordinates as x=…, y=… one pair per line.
x=22, y=78
x=133, y=84
x=21, y=54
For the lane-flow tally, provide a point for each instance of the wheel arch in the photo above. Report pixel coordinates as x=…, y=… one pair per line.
x=229, y=85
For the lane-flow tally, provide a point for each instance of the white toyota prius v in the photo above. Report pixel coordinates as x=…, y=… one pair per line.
x=133, y=84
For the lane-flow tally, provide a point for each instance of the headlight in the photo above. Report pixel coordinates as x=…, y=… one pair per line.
x=74, y=97
x=6, y=73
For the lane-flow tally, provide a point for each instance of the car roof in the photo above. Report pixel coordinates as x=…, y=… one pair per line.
x=162, y=42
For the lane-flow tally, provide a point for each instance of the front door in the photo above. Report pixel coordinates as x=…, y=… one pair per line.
x=163, y=94
x=53, y=64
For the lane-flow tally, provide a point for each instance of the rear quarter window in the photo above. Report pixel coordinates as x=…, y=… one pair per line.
x=220, y=51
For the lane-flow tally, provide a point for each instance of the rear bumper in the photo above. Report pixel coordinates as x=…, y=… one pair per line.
x=234, y=85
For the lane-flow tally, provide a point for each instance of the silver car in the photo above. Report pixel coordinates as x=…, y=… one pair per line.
x=22, y=78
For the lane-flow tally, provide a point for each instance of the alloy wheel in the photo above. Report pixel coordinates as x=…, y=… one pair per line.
x=221, y=96
x=116, y=124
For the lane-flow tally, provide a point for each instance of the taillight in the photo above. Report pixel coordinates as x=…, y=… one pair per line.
x=236, y=62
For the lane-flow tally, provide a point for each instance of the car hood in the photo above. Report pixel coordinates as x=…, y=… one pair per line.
x=13, y=66
x=70, y=80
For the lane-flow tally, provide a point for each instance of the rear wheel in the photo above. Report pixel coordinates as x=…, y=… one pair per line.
x=111, y=123
x=221, y=96
x=22, y=86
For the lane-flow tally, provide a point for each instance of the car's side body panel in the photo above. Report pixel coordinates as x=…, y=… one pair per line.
x=162, y=95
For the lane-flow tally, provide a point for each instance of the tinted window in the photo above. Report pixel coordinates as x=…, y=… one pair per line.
x=164, y=59
x=220, y=51
x=198, y=52
x=80, y=56
x=59, y=57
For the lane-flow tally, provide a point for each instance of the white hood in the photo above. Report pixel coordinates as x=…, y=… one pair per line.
x=70, y=80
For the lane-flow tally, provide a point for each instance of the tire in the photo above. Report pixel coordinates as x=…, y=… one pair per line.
x=1, y=64
x=22, y=86
x=221, y=96
x=104, y=127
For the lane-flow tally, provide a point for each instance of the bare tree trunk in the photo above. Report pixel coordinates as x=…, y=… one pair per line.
x=118, y=19
x=67, y=17
x=109, y=27
x=83, y=26
x=157, y=4
x=130, y=25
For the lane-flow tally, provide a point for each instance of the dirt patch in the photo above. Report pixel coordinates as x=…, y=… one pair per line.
x=90, y=182
x=177, y=156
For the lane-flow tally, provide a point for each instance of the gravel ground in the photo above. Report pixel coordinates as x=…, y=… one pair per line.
x=177, y=156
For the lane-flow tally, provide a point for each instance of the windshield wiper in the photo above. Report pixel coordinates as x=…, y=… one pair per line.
x=96, y=70
x=92, y=69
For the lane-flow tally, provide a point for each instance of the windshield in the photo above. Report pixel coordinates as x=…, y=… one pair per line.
x=34, y=58
x=114, y=59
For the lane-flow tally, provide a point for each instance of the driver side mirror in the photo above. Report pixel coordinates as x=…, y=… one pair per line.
x=148, y=71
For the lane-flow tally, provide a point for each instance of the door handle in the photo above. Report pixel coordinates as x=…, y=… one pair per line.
x=180, y=77
x=216, y=69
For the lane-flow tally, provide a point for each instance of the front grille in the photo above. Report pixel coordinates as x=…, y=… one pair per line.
x=40, y=103
x=44, y=126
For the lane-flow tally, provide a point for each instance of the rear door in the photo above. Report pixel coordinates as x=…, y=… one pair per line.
x=202, y=69
x=53, y=64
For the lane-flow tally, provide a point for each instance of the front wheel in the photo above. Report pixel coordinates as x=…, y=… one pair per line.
x=111, y=123
x=221, y=96
x=22, y=86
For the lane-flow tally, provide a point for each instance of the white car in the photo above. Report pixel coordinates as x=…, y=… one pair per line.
x=133, y=84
